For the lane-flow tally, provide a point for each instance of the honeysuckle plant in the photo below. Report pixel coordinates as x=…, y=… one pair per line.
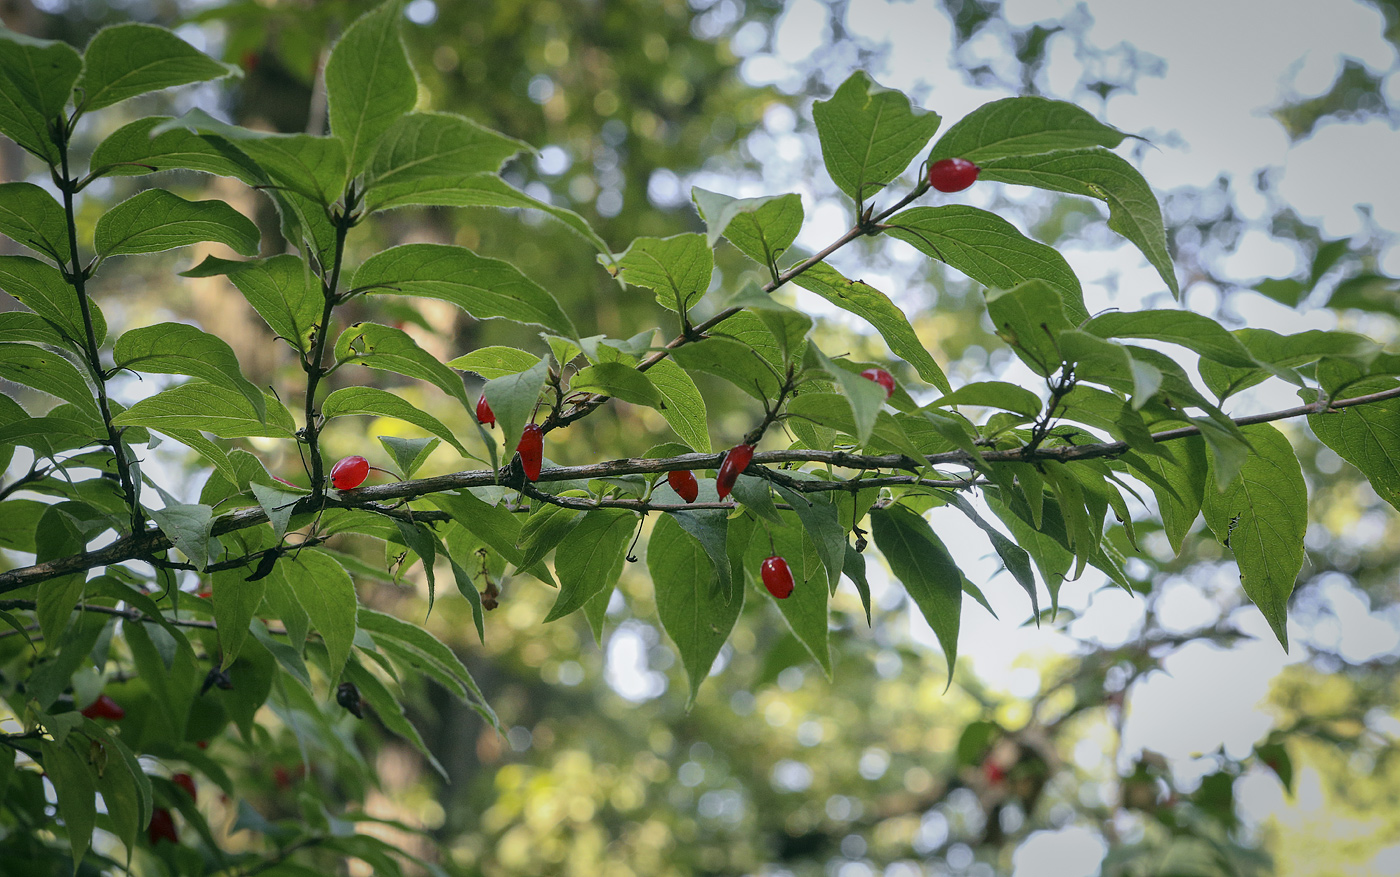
x=196, y=612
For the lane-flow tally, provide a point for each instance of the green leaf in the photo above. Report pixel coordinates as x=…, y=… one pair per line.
x=369, y=83
x=75, y=786
x=156, y=220
x=869, y=134
x=1278, y=355
x=919, y=559
x=696, y=615
x=1193, y=331
x=42, y=289
x=489, y=190
x=1099, y=360
x=821, y=524
x=423, y=650
x=381, y=403
x=865, y=397
x=854, y=569
x=1022, y=126
x=988, y=249
x=24, y=326
x=150, y=144
x=389, y=710
x=36, y=80
x=788, y=326
x=761, y=228
x=125, y=60
x=732, y=360
x=282, y=290
x=122, y=792
x=1030, y=317
x=180, y=349
x=408, y=454
x=390, y=349
x=495, y=362
x=994, y=394
x=806, y=609
x=221, y=411
x=30, y=216
x=492, y=524
x=1016, y=559
x=620, y=381
x=427, y=152
x=1367, y=437
x=589, y=559
x=1045, y=541
x=678, y=268
x=513, y=399
x=684, y=407
x=188, y=526
x=46, y=371
x=1262, y=516
x=236, y=600
x=873, y=306
x=278, y=504
x=484, y=288
x=1133, y=211
x=543, y=530
x=310, y=166
x=1179, y=500
x=325, y=591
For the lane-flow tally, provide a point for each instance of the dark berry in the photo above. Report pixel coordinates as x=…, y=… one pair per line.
x=348, y=696
x=349, y=473
x=881, y=377
x=735, y=462
x=104, y=708
x=952, y=174
x=484, y=415
x=186, y=782
x=162, y=827
x=531, y=450
x=684, y=484
x=777, y=578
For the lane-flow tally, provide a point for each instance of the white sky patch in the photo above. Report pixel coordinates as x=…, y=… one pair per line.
x=1069, y=852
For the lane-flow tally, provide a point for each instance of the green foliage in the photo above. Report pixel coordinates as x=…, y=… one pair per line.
x=284, y=631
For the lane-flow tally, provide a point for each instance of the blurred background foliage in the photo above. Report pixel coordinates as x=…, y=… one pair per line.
x=778, y=770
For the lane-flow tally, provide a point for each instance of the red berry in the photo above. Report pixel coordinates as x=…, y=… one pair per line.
x=952, y=174
x=104, y=708
x=484, y=414
x=683, y=483
x=777, y=578
x=186, y=782
x=349, y=473
x=162, y=827
x=994, y=772
x=735, y=462
x=531, y=450
x=881, y=377
x=202, y=744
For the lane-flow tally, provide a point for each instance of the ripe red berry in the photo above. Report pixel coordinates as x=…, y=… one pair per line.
x=484, y=415
x=994, y=772
x=349, y=473
x=952, y=174
x=881, y=377
x=104, y=708
x=162, y=827
x=683, y=483
x=186, y=782
x=736, y=461
x=531, y=450
x=777, y=578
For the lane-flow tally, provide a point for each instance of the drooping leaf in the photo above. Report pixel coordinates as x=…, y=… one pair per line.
x=1133, y=211
x=75, y=786
x=1186, y=478
x=1367, y=437
x=1016, y=559
x=678, y=268
x=236, y=600
x=494, y=525
x=1261, y=516
x=427, y=152
x=590, y=557
x=325, y=591
x=369, y=83
x=199, y=406
x=513, y=399
x=873, y=306
x=36, y=80
x=156, y=220
x=1023, y=126
x=696, y=615
x=762, y=228
x=988, y=249
x=920, y=561
x=181, y=349
x=620, y=381
x=30, y=216
x=384, y=347
x=483, y=287
x=732, y=360
x=869, y=134
x=806, y=609
x=282, y=290
x=125, y=60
